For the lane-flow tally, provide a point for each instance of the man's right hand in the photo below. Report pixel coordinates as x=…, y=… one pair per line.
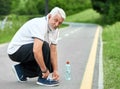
x=46, y=74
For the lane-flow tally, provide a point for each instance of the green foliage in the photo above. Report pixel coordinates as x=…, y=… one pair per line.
x=5, y=7
x=38, y=6
x=41, y=7
x=24, y=7
x=108, y=8
x=71, y=6
x=31, y=7
x=113, y=13
x=15, y=6
x=98, y=5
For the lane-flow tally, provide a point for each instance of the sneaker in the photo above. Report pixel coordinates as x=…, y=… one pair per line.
x=19, y=74
x=47, y=82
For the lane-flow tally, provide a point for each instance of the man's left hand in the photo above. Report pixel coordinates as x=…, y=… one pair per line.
x=55, y=75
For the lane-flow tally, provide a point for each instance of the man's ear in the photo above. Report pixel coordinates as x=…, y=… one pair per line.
x=49, y=16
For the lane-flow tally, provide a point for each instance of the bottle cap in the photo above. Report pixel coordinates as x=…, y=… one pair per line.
x=67, y=62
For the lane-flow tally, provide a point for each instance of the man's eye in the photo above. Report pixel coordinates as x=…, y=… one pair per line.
x=55, y=20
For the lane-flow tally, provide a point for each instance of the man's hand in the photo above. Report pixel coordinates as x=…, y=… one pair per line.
x=55, y=75
x=45, y=75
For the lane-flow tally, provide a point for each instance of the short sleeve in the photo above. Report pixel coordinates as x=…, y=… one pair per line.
x=38, y=30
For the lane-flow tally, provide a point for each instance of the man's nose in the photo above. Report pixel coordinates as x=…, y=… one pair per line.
x=57, y=24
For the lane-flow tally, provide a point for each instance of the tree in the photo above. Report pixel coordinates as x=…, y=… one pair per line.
x=24, y=7
x=70, y=6
x=5, y=7
x=38, y=6
x=46, y=7
x=109, y=9
x=99, y=5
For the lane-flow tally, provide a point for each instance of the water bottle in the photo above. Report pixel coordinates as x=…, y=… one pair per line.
x=67, y=71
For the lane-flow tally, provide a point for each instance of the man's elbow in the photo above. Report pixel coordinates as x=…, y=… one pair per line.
x=35, y=51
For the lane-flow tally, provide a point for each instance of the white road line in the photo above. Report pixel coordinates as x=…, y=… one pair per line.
x=66, y=34
x=71, y=32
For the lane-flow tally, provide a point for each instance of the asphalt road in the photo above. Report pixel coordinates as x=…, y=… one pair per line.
x=75, y=44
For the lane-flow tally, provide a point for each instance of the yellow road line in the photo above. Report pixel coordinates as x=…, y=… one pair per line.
x=89, y=71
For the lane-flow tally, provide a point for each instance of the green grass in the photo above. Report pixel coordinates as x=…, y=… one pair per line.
x=7, y=33
x=87, y=16
x=111, y=55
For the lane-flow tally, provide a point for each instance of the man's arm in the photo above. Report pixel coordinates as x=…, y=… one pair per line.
x=54, y=61
x=37, y=50
x=53, y=52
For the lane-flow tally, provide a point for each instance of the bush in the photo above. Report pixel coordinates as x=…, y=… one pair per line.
x=108, y=8
x=72, y=6
x=5, y=7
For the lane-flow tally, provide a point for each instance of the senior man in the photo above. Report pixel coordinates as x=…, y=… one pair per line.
x=34, y=47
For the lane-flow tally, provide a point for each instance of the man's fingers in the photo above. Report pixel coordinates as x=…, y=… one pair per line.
x=56, y=77
x=45, y=75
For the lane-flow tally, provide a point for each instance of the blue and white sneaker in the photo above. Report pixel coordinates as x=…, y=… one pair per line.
x=19, y=73
x=47, y=82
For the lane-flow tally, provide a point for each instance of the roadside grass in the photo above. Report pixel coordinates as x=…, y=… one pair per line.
x=111, y=46
x=111, y=56
x=14, y=22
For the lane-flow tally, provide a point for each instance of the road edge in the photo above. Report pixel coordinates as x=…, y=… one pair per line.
x=4, y=44
x=100, y=78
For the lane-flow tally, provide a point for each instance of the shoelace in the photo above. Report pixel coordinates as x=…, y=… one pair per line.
x=50, y=79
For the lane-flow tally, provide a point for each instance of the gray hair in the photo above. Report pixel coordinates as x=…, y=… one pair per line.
x=57, y=10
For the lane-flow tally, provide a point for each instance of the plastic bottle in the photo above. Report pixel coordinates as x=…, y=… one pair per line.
x=68, y=71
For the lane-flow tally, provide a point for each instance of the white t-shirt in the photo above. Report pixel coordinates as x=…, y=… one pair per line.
x=35, y=28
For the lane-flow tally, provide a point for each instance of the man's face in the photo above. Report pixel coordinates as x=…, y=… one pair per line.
x=55, y=21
